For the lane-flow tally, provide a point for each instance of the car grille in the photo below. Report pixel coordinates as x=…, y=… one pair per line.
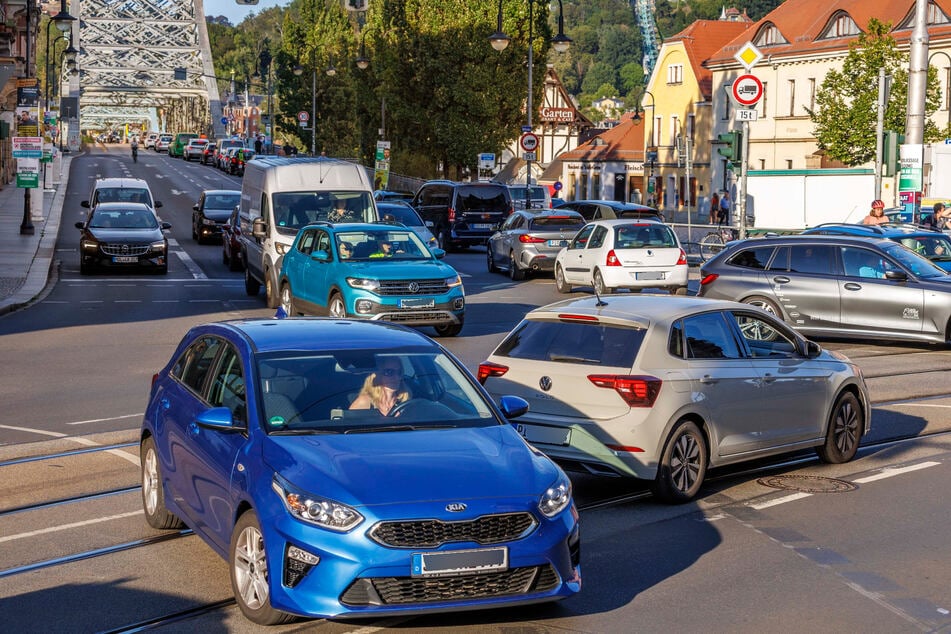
x=423, y=287
x=488, y=529
x=407, y=590
x=124, y=249
x=413, y=315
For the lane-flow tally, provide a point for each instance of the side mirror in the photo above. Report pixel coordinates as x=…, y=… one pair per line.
x=218, y=418
x=195, y=207
x=158, y=203
x=80, y=225
x=259, y=228
x=85, y=204
x=896, y=276
x=513, y=406
x=166, y=226
x=813, y=349
x=438, y=253
x=320, y=256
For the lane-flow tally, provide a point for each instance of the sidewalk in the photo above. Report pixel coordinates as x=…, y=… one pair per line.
x=26, y=261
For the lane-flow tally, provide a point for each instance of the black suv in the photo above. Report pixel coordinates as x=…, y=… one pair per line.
x=462, y=214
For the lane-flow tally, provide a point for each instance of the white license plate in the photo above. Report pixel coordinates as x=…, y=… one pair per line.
x=650, y=275
x=124, y=259
x=422, y=302
x=544, y=435
x=557, y=243
x=460, y=562
x=482, y=226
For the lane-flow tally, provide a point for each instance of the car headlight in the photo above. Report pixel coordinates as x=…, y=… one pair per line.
x=207, y=221
x=89, y=244
x=556, y=498
x=363, y=283
x=158, y=246
x=315, y=510
x=453, y=282
x=281, y=248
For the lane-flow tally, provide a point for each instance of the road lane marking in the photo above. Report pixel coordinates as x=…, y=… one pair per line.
x=888, y=472
x=64, y=527
x=759, y=506
x=79, y=440
x=102, y=420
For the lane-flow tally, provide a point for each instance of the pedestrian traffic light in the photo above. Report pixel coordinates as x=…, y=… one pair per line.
x=731, y=146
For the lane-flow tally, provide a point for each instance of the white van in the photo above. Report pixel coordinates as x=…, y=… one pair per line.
x=281, y=195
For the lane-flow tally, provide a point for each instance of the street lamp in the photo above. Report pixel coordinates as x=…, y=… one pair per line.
x=560, y=43
x=264, y=67
x=650, y=154
x=298, y=71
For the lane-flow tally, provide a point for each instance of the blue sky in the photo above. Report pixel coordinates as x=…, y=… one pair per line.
x=238, y=12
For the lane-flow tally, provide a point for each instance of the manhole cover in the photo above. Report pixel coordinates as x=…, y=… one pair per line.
x=807, y=484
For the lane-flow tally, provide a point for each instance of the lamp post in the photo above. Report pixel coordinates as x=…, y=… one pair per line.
x=298, y=71
x=264, y=68
x=650, y=149
x=560, y=42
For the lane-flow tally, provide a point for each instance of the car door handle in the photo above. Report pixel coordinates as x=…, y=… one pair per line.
x=768, y=378
x=781, y=279
x=165, y=403
x=706, y=379
x=852, y=286
x=193, y=429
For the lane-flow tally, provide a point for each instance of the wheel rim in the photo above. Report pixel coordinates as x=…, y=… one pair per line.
x=250, y=568
x=286, y=299
x=268, y=291
x=150, y=481
x=759, y=303
x=513, y=267
x=845, y=428
x=559, y=277
x=685, y=463
x=488, y=258
x=598, y=283
x=336, y=307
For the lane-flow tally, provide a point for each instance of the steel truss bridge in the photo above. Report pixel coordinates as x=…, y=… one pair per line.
x=145, y=61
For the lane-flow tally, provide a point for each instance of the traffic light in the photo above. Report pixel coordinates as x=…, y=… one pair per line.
x=891, y=142
x=731, y=146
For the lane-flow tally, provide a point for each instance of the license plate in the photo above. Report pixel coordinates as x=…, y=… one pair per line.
x=557, y=243
x=650, y=275
x=544, y=435
x=124, y=259
x=482, y=226
x=421, y=302
x=460, y=562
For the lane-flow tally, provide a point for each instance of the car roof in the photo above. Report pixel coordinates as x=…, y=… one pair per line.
x=321, y=334
x=214, y=192
x=815, y=238
x=885, y=231
x=613, y=204
x=538, y=213
x=121, y=182
x=613, y=222
x=637, y=309
x=122, y=207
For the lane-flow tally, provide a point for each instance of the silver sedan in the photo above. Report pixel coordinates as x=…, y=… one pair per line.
x=529, y=240
x=661, y=388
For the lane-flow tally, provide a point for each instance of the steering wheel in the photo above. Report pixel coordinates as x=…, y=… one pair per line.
x=400, y=407
x=431, y=409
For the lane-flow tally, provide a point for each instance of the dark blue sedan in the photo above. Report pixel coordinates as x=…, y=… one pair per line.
x=352, y=469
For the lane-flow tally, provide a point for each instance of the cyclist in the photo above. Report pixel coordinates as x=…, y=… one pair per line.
x=135, y=150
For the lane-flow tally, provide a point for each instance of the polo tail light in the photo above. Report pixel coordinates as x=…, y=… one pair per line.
x=682, y=260
x=612, y=259
x=452, y=215
x=637, y=391
x=487, y=369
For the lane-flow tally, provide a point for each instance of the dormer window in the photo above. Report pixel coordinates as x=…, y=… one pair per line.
x=841, y=25
x=769, y=35
x=675, y=74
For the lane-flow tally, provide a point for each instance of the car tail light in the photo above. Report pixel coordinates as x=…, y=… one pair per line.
x=612, y=260
x=452, y=215
x=682, y=260
x=527, y=239
x=154, y=379
x=637, y=391
x=487, y=369
x=708, y=278
x=570, y=317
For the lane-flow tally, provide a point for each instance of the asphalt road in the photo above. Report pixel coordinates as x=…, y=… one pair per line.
x=788, y=545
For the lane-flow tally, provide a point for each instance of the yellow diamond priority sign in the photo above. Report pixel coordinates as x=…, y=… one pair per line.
x=748, y=55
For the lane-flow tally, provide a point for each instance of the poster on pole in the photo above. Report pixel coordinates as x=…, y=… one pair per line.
x=381, y=176
x=911, y=158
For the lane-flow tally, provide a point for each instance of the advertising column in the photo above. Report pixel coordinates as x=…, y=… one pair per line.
x=911, y=157
x=28, y=149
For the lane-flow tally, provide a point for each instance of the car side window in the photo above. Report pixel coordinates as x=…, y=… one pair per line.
x=811, y=259
x=708, y=336
x=753, y=258
x=306, y=243
x=581, y=238
x=597, y=238
x=193, y=367
x=511, y=223
x=227, y=385
x=323, y=241
x=762, y=339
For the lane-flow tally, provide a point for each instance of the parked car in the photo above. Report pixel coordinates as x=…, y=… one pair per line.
x=122, y=236
x=613, y=254
x=610, y=209
x=371, y=271
x=463, y=214
x=211, y=212
x=194, y=149
x=407, y=216
x=325, y=511
x=121, y=190
x=540, y=197
x=208, y=153
x=662, y=389
x=836, y=286
x=529, y=240
x=163, y=142
x=231, y=243
x=933, y=244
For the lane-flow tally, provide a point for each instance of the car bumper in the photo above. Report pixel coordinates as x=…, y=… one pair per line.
x=427, y=311
x=150, y=261
x=662, y=277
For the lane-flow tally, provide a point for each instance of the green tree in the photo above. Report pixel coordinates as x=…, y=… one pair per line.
x=846, y=102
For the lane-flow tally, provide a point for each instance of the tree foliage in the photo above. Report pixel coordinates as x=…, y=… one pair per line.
x=845, y=115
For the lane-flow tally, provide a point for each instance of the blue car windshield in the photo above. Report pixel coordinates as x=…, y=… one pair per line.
x=363, y=391
x=381, y=245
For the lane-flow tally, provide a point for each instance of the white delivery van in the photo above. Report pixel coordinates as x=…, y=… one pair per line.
x=281, y=195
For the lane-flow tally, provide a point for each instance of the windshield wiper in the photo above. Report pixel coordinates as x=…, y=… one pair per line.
x=369, y=430
x=302, y=432
x=571, y=359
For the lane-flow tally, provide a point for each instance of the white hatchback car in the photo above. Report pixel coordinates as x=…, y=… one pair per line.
x=613, y=254
x=661, y=388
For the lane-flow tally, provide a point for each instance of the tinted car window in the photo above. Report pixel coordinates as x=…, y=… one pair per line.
x=753, y=258
x=227, y=386
x=597, y=238
x=708, y=336
x=639, y=236
x=762, y=339
x=481, y=199
x=556, y=223
x=573, y=342
x=812, y=259
x=193, y=366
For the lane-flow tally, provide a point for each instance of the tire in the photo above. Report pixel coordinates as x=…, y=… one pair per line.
x=515, y=273
x=768, y=305
x=163, y=270
x=846, y=425
x=680, y=290
x=599, y=286
x=251, y=286
x=449, y=330
x=287, y=300
x=234, y=262
x=153, y=495
x=710, y=245
x=336, y=306
x=195, y=231
x=444, y=238
x=683, y=464
x=561, y=284
x=247, y=560
x=489, y=260
x=271, y=296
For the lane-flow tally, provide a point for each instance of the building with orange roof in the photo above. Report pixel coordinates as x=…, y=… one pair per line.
x=609, y=166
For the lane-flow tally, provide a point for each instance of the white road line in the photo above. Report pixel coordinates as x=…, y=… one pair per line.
x=102, y=420
x=64, y=527
x=777, y=501
x=888, y=472
x=134, y=459
x=54, y=434
x=186, y=259
x=926, y=405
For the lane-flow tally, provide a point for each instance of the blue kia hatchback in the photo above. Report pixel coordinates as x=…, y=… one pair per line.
x=371, y=271
x=259, y=435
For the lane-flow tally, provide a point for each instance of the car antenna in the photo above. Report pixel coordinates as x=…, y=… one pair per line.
x=600, y=301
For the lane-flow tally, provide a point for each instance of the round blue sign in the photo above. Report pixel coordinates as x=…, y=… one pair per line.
x=557, y=186
x=224, y=120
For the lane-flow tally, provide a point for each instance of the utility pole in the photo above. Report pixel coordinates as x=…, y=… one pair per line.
x=917, y=76
x=879, y=132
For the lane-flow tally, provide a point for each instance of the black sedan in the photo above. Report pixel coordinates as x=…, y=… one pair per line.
x=121, y=236
x=610, y=210
x=212, y=211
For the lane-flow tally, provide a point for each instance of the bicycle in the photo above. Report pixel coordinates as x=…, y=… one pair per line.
x=713, y=242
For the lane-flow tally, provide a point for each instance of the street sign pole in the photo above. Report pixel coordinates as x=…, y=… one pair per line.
x=740, y=202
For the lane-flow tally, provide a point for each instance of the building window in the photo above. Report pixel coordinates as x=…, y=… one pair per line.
x=789, y=164
x=674, y=128
x=792, y=97
x=762, y=164
x=691, y=125
x=812, y=94
x=842, y=25
x=675, y=74
x=762, y=101
x=658, y=121
x=936, y=15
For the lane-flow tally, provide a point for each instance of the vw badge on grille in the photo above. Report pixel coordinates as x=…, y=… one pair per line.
x=545, y=383
x=456, y=507
x=414, y=287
